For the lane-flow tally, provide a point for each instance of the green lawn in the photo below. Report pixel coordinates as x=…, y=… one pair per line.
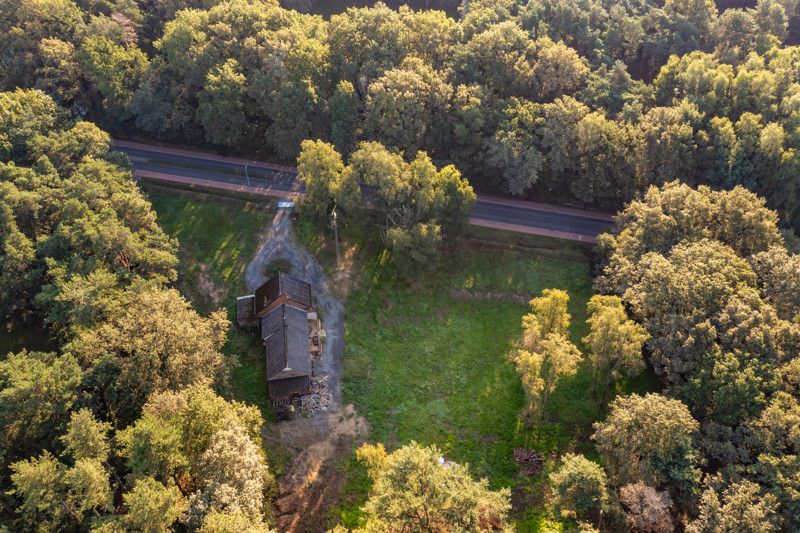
x=423, y=364
x=218, y=237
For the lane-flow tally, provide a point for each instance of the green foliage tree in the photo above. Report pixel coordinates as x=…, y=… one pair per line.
x=540, y=371
x=545, y=355
x=580, y=488
x=512, y=149
x=345, y=109
x=415, y=199
x=651, y=439
x=151, y=506
x=221, y=104
x=615, y=341
x=205, y=444
x=778, y=274
x=113, y=70
x=404, y=104
x=37, y=390
x=59, y=73
x=413, y=488
x=741, y=506
x=414, y=248
x=155, y=342
x=232, y=475
x=320, y=167
x=550, y=310
x=86, y=437
x=675, y=213
x=64, y=496
x=231, y=522
x=38, y=483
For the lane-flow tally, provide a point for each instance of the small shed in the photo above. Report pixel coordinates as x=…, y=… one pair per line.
x=246, y=311
x=281, y=289
x=284, y=331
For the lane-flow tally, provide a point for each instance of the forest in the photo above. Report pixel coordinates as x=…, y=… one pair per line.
x=682, y=118
x=581, y=101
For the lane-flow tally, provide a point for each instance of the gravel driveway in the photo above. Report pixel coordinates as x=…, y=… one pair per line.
x=279, y=242
x=322, y=441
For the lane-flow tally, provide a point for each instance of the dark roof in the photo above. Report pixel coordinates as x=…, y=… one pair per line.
x=285, y=334
x=283, y=284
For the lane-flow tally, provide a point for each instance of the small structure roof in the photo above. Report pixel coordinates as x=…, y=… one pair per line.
x=283, y=285
x=284, y=331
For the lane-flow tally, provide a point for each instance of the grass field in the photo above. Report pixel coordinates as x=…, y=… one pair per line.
x=218, y=237
x=426, y=361
x=423, y=363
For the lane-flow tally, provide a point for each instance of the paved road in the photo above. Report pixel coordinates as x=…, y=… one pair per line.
x=204, y=170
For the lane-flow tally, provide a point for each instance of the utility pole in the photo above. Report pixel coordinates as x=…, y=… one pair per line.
x=336, y=234
x=246, y=175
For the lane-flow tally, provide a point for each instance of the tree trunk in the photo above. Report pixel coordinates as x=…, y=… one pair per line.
x=605, y=389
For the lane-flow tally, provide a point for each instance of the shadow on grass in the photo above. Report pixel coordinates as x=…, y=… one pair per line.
x=218, y=238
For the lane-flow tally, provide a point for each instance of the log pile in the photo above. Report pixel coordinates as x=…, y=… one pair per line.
x=530, y=461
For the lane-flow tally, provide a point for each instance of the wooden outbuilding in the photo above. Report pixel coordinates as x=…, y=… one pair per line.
x=290, y=331
x=280, y=289
x=284, y=331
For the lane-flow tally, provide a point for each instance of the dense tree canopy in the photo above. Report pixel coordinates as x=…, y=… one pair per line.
x=415, y=200
x=413, y=488
x=687, y=115
x=708, y=275
x=118, y=430
x=567, y=99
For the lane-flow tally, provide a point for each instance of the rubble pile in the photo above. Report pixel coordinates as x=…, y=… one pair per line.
x=318, y=400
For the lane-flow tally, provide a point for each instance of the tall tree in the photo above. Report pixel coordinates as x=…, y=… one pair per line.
x=541, y=370
x=345, y=109
x=156, y=342
x=404, y=104
x=742, y=506
x=651, y=439
x=413, y=488
x=615, y=341
x=580, y=488
x=550, y=311
x=37, y=390
x=221, y=104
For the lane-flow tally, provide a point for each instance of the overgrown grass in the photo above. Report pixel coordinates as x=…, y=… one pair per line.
x=426, y=359
x=218, y=237
x=422, y=363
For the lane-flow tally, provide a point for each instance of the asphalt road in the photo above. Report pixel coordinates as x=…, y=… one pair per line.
x=215, y=172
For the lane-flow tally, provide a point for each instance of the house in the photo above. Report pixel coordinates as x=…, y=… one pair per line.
x=290, y=330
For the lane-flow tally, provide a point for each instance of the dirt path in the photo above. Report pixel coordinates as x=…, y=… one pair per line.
x=320, y=443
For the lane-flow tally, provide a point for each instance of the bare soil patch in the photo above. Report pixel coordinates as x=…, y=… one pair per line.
x=313, y=479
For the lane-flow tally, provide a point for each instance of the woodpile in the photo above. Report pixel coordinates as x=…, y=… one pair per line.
x=530, y=461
